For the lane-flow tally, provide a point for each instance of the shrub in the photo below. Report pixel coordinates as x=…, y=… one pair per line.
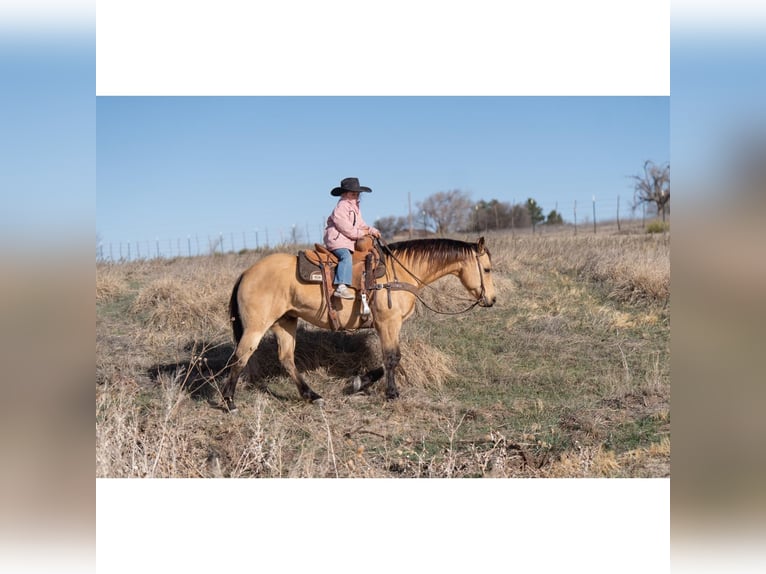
x=658, y=227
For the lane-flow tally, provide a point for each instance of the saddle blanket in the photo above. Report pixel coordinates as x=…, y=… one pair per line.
x=308, y=265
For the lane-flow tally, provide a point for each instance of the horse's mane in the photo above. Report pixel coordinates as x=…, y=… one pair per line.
x=439, y=252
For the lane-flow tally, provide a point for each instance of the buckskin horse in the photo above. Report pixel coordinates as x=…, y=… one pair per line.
x=270, y=295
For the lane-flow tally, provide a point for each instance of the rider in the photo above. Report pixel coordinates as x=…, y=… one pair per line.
x=344, y=226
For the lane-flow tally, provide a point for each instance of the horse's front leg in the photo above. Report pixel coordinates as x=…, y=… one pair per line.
x=391, y=361
x=389, y=344
x=361, y=383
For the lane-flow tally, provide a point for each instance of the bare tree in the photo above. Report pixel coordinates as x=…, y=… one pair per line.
x=653, y=186
x=391, y=225
x=448, y=210
x=493, y=214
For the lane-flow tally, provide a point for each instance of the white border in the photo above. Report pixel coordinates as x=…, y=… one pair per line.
x=371, y=525
x=401, y=47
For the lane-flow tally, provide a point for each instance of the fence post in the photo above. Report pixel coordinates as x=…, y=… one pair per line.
x=575, y=216
x=594, y=215
x=618, y=213
x=513, y=216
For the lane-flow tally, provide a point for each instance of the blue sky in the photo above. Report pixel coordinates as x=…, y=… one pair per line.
x=174, y=167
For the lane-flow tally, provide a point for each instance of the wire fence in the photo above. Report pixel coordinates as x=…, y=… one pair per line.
x=207, y=244
x=583, y=218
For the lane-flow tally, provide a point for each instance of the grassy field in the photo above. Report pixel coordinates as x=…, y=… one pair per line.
x=568, y=375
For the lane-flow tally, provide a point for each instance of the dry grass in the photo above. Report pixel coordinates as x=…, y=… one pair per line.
x=110, y=283
x=632, y=267
x=568, y=375
x=174, y=306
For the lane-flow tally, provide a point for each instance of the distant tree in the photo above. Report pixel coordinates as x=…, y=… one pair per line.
x=535, y=212
x=447, y=210
x=493, y=214
x=296, y=235
x=554, y=218
x=653, y=187
x=520, y=216
x=391, y=225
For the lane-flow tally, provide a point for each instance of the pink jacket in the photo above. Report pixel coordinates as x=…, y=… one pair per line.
x=345, y=225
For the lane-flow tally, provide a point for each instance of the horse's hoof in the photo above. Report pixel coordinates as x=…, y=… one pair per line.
x=392, y=396
x=318, y=402
x=230, y=406
x=354, y=386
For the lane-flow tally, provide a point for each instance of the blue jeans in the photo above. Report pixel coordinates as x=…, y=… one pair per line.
x=343, y=270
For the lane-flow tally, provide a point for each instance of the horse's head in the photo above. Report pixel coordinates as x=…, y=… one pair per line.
x=476, y=275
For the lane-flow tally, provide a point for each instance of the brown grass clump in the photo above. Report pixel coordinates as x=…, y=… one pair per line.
x=648, y=461
x=167, y=303
x=633, y=267
x=425, y=366
x=645, y=276
x=110, y=283
x=598, y=462
x=585, y=462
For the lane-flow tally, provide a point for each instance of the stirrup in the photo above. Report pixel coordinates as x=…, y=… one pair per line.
x=365, y=307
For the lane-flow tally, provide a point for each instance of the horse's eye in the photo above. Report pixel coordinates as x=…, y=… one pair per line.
x=487, y=270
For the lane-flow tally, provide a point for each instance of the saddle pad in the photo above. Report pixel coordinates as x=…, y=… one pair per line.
x=307, y=270
x=308, y=265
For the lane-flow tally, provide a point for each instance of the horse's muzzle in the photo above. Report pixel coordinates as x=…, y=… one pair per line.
x=484, y=302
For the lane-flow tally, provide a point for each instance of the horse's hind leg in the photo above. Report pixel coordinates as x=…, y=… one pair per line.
x=285, y=329
x=245, y=348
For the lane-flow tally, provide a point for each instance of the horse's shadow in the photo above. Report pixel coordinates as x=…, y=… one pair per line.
x=341, y=355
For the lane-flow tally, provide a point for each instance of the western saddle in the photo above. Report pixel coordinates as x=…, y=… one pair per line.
x=318, y=266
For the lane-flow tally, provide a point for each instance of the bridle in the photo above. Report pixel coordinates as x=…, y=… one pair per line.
x=403, y=286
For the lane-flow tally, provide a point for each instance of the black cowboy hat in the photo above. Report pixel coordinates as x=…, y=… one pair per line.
x=349, y=184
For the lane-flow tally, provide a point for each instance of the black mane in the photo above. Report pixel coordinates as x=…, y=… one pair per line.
x=438, y=251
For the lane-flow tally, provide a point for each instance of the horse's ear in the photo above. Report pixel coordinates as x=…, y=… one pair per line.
x=480, y=245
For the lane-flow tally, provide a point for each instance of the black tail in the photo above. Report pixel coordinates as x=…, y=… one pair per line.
x=236, y=320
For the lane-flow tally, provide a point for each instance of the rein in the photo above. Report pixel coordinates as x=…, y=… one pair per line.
x=400, y=285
